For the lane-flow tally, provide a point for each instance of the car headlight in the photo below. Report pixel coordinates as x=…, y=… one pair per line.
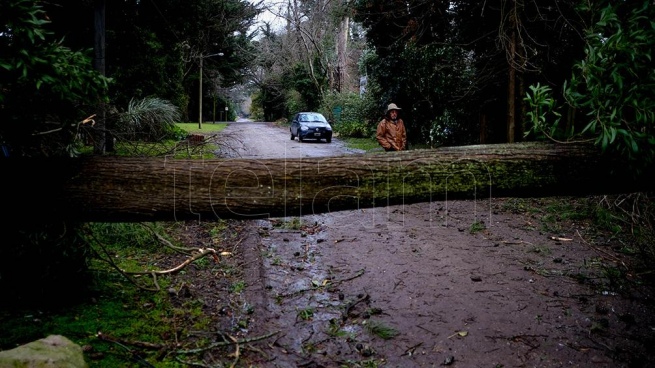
x=328, y=128
x=303, y=128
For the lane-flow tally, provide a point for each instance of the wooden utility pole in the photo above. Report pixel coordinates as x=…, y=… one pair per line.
x=200, y=96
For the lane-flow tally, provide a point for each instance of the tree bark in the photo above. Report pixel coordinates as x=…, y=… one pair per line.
x=151, y=189
x=511, y=85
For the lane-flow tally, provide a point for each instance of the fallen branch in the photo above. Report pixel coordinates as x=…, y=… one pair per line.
x=356, y=275
x=201, y=253
x=236, y=351
x=410, y=351
x=111, y=262
x=607, y=255
x=329, y=284
x=140, y=344
x=226, y=343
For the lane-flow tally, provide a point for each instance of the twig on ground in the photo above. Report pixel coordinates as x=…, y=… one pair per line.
x=234, y=247
x=110, y=261
x=351, y=305
x=123, y=342
x=331, y=284
x=607, y=255
x=515, y=242
x=201, y=253
x=343, y=239
x=236, y=351
x=226, y=343
x=356, y=275
x=410, y=350
x=165, y=242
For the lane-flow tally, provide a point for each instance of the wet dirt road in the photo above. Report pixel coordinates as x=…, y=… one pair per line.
x=414, y=286
x=265, y=140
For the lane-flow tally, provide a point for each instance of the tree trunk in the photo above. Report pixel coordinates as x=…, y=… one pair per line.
x=101, y=139
x=511, y=89
x=342, y=54
x=152, y=189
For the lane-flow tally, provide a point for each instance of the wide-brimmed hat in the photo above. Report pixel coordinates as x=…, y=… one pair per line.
x=392, y=106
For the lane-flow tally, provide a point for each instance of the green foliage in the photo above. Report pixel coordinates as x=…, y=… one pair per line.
x=350, y=114
x=476, y=227
x=306, y=314
x=543, y=117
x=175, y=132
x=46, y=87
x=154, y=50
x=366, y=144
x=447, y=63
x=441, y=132
x=614, y=83
x=425, y=92
x=149, y=119
x=110, y=306
x=353, y=129
x=131, y=237
x=206, y=128
x=257, y=106
x=302, y=93
x=294, y=102
x=381, y=330
x=238, y=287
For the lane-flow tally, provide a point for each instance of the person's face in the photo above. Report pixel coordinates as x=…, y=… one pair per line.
x=393, y=114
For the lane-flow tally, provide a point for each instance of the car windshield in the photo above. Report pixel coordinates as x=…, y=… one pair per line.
x=313, y=118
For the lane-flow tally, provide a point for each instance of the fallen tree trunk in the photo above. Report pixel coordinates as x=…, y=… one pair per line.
x=153, y=189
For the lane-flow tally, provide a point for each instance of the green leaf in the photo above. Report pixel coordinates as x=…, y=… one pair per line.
x=612, y=134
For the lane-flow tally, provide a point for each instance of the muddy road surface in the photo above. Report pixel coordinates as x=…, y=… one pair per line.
x=487, y=283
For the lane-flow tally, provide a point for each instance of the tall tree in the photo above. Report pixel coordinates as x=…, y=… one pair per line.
x=46, y=89
x=613, y=85
x=308, y=57
x=507, y=44
x=154, y=47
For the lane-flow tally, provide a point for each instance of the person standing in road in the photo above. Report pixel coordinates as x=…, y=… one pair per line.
x=391, y=132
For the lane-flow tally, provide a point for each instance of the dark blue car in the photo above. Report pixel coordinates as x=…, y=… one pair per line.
x=310, y=125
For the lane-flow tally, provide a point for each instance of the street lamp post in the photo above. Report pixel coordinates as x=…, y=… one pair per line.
x=200, y=88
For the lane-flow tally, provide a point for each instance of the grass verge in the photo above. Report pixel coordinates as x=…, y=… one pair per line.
x=132, y=318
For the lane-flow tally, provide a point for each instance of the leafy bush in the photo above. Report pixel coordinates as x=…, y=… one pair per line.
x=350, y=114
x=353, y=129
x=543, y=117
x=175, y=133
x=46, y=87
x=150, y=119
x=614, y=83
x=294, y=102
